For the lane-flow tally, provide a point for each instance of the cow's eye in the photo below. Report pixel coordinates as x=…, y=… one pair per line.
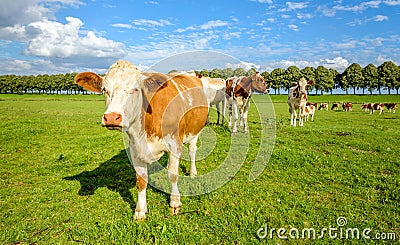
x=132, y=91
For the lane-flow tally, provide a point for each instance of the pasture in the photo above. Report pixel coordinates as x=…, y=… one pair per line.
x=65, y=179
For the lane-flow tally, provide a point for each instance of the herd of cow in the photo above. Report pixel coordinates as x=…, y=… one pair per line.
x=162, y=112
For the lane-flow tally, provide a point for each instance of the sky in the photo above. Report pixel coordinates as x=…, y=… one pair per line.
x=63, y=36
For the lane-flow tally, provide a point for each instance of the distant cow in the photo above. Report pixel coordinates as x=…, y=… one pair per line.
x=323, y=106
x=309, y=111
x=297, y=99
x=214, y=89
x=365, y=107
x=391, y=107
x=347, y=106
x=238, y=92
x=159, y=113
x=314, y=104
x=335, y=106
x=373, y=107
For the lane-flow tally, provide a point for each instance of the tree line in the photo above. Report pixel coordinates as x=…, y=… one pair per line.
x=368, y=78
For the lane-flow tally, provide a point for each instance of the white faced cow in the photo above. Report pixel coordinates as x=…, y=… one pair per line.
x=214, y=89
x=239, y=91
x=158, y=112
x=297, y=99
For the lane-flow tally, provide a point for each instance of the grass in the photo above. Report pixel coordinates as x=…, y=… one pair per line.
x=65, y=179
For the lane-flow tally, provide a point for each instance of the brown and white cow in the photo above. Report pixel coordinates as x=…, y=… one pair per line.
x=373, y=107
x=323, y=106
x=214, y=89
x=159, y=113
x=347, y=106
x=238, y=92
x=309, y=111
x=335, y=106
x=297, y=99
x=391, y=107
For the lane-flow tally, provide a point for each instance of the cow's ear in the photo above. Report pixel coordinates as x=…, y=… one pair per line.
x=295, y=83
x=310, y=82
x=89, y=81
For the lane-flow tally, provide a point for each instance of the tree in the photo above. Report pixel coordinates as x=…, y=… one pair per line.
x=343, y=83
x=323, y=80
x=251, y=72
x=354, y=76
x=370, y=75
x=275, y=79
x=331, y=83
x=388, y=74
x=228, y=72
x=238, y=72
x=292, y=74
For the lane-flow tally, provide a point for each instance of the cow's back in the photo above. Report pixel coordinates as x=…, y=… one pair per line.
x=178, y=108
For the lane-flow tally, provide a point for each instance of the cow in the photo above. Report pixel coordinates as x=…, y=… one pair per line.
x=214, y=89
x=323, y=105
x=347, y=106
x=373, y=107
x=391, y=107
x=297, y=99
x=159, y=113
x=239, y=91
x=314, y=104
x=365, y=107
x=309, y=110
x=335, y=106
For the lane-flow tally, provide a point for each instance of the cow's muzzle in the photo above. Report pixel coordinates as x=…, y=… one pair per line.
x=112, y=120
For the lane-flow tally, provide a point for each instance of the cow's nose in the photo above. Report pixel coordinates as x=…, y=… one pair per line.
x=112, y=120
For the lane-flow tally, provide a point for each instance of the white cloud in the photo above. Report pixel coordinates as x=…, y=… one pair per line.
x=304, y=16
x=213, y=24
x=360, y=7
x=152, y=2
x=337, y=63
x=58, y=40
x=392, y=2
x=380, y=18
x=296, y=5
x=294, y=27
x=244, y=65
x=22, y=12
x=151, y=23
x=263, y=1
x=120, y=25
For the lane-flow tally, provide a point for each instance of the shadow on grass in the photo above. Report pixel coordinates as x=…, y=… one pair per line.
x=116, y=174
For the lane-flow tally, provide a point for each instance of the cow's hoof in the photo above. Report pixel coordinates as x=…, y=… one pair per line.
x=175, y=210
x=139, y=216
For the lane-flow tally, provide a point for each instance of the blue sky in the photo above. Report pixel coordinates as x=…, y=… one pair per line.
x=62, y=36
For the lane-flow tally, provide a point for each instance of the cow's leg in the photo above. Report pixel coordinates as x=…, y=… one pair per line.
x=301, y=117
x=223, y=110
x=293, y=117
x=173, y=173
x=230, y=115
x=235, y=116
x=141, y=182
x=218, y=112
x=192, y=156
x=244, y=118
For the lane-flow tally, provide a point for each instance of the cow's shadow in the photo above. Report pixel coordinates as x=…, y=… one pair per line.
x=115, y=174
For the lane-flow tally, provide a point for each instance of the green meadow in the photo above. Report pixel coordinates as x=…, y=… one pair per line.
x=65, y=179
